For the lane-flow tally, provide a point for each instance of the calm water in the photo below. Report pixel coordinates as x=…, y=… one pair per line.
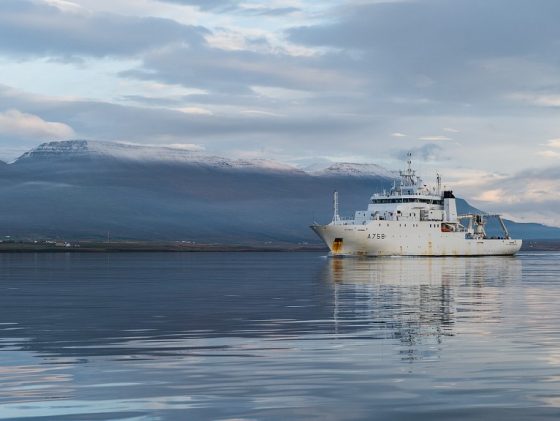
x=278, y=336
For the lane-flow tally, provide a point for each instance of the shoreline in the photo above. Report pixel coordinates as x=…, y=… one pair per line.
x=148, y=246
x=172, y=247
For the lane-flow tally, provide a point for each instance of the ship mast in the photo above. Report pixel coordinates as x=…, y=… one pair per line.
x=336, y=216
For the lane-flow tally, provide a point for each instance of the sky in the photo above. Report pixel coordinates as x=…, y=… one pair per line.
x=470, y=87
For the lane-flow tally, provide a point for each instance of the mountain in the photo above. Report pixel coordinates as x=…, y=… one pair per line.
x=348, y=169
x=86, y=190
x=88, y=149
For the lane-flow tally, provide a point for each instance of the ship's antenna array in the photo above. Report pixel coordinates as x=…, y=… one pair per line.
x=438, y=184
x=336, y=216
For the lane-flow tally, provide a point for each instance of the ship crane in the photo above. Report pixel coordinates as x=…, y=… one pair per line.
x=480, y=220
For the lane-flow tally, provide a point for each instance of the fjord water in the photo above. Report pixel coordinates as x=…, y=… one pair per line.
x=152, y=336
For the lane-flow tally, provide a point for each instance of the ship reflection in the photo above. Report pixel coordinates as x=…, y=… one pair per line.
x=122, y=305
x=417, y=302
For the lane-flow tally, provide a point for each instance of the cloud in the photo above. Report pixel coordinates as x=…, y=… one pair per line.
x=14, y=123
x=549, y=154
x=554, y=152
x=195, y=110
x=468, y=50
x=222, y=131
x=435, y=138
x=495, y=195
x=193, y=147
x=428, y=152
x=296, y=75
x=236, y=71
x=538, y=99
x=39, y=29
x=65, y=5
x=554, y=143
x=185, y=146
x=271, y=11
x=531, y=195
x=223, y=6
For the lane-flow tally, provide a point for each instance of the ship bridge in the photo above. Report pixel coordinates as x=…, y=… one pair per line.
x=408, y=199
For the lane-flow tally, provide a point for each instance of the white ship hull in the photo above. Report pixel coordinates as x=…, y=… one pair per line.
x=419, y=238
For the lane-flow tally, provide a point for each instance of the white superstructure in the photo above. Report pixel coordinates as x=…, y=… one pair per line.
x=413, y=220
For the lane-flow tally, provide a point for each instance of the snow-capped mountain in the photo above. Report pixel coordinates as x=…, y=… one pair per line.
x=348, y=169
x=91, y=149
x=84, y=189
x=76, y=149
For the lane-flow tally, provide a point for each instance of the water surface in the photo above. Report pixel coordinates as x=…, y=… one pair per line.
x=163, y=336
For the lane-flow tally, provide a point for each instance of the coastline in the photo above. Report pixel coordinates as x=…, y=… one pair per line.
x=178, y=247
x=149, y=246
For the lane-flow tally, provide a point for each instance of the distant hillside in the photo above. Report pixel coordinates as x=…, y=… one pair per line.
x=88, y=190
x=522, y=230
x=84, y=189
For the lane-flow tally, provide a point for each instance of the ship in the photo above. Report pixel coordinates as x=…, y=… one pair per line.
x=413, y=219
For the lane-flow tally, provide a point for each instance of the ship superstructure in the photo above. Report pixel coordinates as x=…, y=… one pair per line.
x=412, y=219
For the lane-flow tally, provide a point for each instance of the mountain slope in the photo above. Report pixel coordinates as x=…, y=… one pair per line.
x=85, y=190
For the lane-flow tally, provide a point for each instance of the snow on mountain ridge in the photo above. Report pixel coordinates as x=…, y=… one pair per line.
x=355, y=170
x=144, y=153
x=178, y=154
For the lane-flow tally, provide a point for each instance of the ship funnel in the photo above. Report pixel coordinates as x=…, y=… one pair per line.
x=449, y=206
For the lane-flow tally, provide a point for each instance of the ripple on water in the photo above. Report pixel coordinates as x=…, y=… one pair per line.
x=278, y=335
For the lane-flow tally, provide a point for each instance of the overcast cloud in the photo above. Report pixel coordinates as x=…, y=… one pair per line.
x=471, y=87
